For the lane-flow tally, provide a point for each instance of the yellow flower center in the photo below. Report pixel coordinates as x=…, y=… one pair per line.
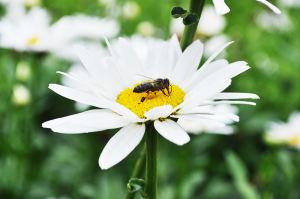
x=32, y=41
x=294, y=141
x=133, y=102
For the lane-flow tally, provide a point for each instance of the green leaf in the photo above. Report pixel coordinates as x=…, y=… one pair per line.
x=135, y=185
x=177, y=12
x=190, y=19
x=239, y=173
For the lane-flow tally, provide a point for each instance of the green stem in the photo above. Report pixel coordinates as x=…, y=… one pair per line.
x=196, y=6
x=138, y=170
x=151, y=162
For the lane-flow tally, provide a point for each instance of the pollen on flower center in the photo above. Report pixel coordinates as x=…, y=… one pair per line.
x=32, y=41
x=294, y=141
x=133, y=102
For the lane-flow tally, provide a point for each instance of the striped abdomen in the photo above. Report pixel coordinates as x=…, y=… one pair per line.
x=142, y=88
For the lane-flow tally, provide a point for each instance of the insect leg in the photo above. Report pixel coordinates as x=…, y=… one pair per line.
x=168, y=90
x=143, y=98
x=162, y=91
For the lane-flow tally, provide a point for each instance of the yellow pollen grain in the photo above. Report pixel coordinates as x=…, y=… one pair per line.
x=32, y=41
x=133, y=102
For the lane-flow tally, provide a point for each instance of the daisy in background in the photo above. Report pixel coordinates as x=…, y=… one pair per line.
x=285, y=133
x=32, y=31
x=23, y=3
x=111, y=88
x=290, y=3
x=221, y=7
x=195, y=127
x=271, y=22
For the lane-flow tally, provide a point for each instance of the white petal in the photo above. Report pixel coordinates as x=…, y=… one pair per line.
x=121, y=144
x=73, y=94
x=150, y=59
x=225, y=72
x=172, y=131
x=174, y=54
x=157, y=112
x=200, y=119
x=221, y=7
x=242, y=68
x=228, y=102
x=188, y=62
x=115, y=69
x=211, y=90
x=132, y=120
x=93, y=120
x=271, y=6
x=198, y=73
x=75, y=129
x=97, y=70
x=199, y=111
x=118, y=108
x=112, y=52
x=235, y=96
x=130, y=59
x=213, y=67
x=89, y=61
x=161, y=62
x=95, y=88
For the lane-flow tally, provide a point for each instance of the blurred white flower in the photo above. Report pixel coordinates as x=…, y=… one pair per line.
x=221, y=7
x=27, y=3
x=270, y=21
x=146, y=28
x=33, y=32
x=107, y=2
x=290, y=3
x=21, y=95
x=84, y=26
x=176, y=26
x=287, y=133
x=113, y=91
x=210, y=23
x=131, y=9
x=212, y=44
x=23, y=71
x=199, y=127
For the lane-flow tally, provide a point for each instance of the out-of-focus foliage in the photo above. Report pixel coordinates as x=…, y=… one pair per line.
x=38, y=163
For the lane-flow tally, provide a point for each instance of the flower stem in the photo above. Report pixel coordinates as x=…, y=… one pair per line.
x=196, y=6
x=138, y=170
x=151, y=162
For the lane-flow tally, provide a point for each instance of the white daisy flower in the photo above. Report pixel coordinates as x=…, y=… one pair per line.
x=290, y=3
x=113, y=80
x=195, y=127
x=32, y=31
x=221, y=7
x=91, y=27
x=287, y=133
x=271, y=21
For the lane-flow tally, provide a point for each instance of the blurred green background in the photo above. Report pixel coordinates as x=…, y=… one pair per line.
x=37, y=163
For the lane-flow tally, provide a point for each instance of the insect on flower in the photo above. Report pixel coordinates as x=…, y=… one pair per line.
x=154, y=85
